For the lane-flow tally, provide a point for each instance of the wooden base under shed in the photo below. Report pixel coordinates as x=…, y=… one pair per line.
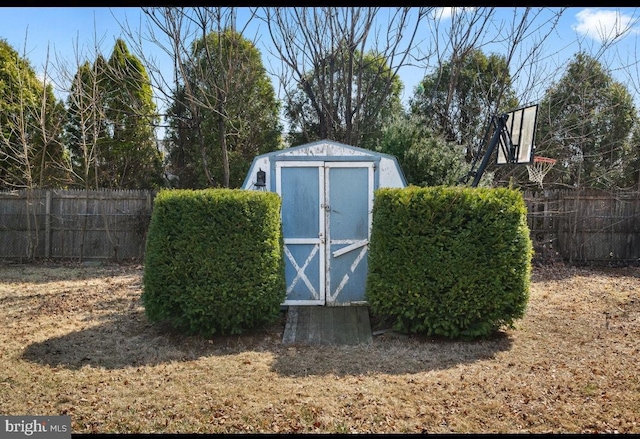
x=332, y=325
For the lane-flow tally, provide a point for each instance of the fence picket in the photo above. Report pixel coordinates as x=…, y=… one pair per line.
x=75, y=224
x=585, y=226
x=575, y=226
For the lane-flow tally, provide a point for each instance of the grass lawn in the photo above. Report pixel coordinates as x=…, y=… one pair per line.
x=75, y=341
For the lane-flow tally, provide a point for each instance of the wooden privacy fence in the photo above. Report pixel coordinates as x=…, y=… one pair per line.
x=74, y=224
x=585, y=226
x=569, y=225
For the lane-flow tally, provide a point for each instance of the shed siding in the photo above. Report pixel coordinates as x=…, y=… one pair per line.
x=327, y=190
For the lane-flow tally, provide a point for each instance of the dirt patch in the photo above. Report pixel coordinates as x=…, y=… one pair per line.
x=75, y=341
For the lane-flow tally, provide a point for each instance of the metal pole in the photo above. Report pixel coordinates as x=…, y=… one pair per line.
x=500, y=124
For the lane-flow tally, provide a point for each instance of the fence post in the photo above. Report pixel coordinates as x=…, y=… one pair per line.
x=47, y=225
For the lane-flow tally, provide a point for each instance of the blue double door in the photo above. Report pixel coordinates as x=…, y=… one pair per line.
x=326, y=223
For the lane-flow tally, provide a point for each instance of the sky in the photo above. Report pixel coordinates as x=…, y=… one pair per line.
x=63, y=32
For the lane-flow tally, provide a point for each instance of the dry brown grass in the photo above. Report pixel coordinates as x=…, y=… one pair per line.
x=75, y=341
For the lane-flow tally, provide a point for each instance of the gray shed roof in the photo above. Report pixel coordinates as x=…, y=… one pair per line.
x=329, y=150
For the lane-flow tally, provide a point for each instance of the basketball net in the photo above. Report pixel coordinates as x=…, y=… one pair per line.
x=539, y=168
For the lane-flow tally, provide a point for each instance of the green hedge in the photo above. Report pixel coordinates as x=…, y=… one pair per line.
x=450, y=261
x=214, y=260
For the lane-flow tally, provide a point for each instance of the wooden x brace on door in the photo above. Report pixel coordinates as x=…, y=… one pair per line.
x=300, y=274
x=354, y=265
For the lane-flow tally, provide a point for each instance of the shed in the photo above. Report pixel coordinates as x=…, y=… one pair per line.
x=327, y=200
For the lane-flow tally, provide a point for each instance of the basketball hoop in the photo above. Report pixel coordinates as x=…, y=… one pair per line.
x=539, y=168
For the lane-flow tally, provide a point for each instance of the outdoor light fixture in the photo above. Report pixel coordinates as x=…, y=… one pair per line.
x=261, y=179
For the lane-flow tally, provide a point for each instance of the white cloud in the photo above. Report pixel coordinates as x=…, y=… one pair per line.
x=444, y=13
x=603, y=25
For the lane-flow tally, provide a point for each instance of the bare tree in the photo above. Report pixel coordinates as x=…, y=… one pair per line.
x=456, y=36
x=323, y=52
x=519, y=37
x=31, y=153
x=589, y=115
x=17, y=151
x=107, y=127
x=86, y=116
x=30, y=144
x=204, y=81
x=629, y=70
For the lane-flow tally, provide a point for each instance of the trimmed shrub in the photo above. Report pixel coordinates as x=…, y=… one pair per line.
x=214, y=260
x=449, y=261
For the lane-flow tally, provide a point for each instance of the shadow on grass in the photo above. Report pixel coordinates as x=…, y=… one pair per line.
x=389, y=354
x=127, y=339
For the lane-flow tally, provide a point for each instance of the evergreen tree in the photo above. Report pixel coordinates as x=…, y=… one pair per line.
x=425, y=157
x=585, y=123
x=111, y=124
x=85, y=124
x=347, y=97
x=632, y=165
x=31, y=154
x=459, y=98
x=131, y=156
x=224, y=113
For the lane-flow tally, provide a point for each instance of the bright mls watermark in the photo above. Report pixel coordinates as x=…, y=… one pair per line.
x=49, y=427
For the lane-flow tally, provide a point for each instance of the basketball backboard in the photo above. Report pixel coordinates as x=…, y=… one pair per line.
x=521, y=128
